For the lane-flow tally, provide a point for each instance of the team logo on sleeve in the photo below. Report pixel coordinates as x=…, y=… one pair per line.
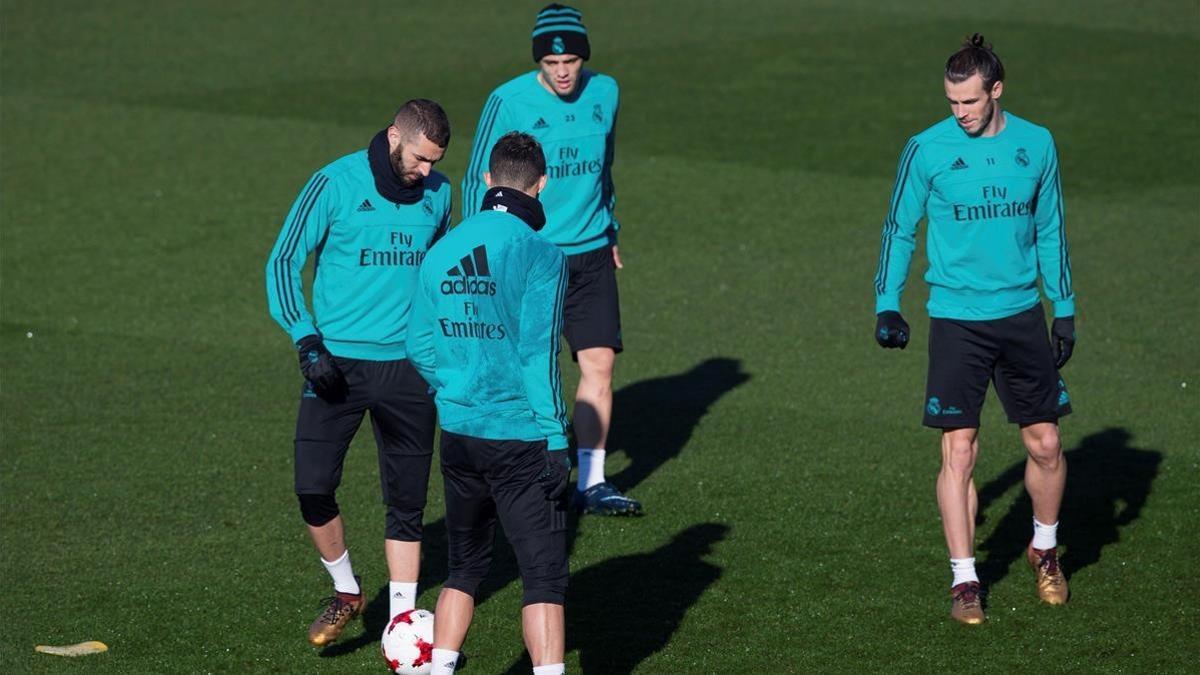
x=471, y=276
x=1022, y=158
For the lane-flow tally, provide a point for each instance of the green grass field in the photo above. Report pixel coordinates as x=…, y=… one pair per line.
x=149, y=152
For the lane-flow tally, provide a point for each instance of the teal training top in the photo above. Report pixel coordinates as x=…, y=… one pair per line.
x=485, y=328
x=577, y=137
x=368, y=252
x=995, y=220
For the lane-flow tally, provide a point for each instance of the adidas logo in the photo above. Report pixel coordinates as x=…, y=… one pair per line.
x=473, y=265
x=958, y=164
x=541, y=124
x=365, y=206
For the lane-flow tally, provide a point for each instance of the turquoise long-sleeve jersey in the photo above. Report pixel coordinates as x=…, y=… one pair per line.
x=369, y=250
x=484, y=330
x=995, y=221
x=578, y=139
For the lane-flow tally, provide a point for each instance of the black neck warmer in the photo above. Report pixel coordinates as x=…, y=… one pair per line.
x=386, y=181
x=513, y=201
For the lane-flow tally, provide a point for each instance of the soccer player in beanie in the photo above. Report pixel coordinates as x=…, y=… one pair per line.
x=573, y=113
x=987, y=181
x=485, y=333
x=370, y=216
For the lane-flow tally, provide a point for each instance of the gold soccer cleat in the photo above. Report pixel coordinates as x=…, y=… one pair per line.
x=339, y=610
x=965, y=603
x=1051, y=584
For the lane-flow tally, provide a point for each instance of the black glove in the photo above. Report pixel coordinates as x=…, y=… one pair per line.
x=557, y=474
x=1062, y=339
x=891, y=330
x=319, y=368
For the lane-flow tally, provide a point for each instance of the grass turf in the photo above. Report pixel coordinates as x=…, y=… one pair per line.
x=148, y=154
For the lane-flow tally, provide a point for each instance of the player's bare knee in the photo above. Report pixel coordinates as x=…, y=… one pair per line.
x=1045, y=449
x=959, y=453
x=596, y=367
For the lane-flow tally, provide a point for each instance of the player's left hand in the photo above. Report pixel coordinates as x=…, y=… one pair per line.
x=557, y=474
x=1062, y=339
x=891, y=330
x=617, y=258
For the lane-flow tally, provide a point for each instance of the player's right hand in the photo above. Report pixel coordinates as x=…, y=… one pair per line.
x=1062, y=339
x=557, y=474
x=891, y=330
x=319, y=368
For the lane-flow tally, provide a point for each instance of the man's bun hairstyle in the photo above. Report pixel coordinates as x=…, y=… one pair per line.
x=975, y=56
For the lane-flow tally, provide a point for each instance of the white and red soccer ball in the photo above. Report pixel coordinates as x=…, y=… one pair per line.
x=407, y=643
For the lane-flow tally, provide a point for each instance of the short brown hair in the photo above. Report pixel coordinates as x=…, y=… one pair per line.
x=975, y=56
x=517, y=161
x=422, y=116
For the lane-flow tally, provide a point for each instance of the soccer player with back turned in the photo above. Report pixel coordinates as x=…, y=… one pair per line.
x=987, y=181
x=370, y=217
x=485, y=333
x=572, y=112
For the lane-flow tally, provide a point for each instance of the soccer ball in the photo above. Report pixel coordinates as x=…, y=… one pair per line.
x=407, y=643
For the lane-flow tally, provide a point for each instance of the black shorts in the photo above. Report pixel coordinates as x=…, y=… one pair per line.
x=486, y=479
x=592, y=311
x=403, y=418
x=1014, y=352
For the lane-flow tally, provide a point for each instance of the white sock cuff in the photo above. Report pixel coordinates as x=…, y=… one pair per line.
x=1044, y=536
x=342, y=573
x=964, y=570
x=444, y=660
x=402, y=596
x=342, y=558
x=550, y=669
x=591, y=468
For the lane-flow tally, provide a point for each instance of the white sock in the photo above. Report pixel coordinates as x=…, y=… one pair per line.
x=553, y=668
x=964, y=570
x=1044, y=536
x=444, y=661
x=343, y=574
x=402, y=596
x=591, y=468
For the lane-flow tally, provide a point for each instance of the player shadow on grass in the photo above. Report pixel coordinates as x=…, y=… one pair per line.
x=624, y=610
x=654, y=418
x=1108, y=482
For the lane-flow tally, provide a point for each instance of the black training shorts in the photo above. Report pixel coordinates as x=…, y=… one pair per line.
x=490, y=479
x=592, y=312
x=402, y=416
x=1014, y=352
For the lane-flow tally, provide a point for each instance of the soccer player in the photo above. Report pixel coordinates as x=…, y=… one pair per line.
x=370, y=216
x=485, y=334
x=987, y=181
x=573, y=113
